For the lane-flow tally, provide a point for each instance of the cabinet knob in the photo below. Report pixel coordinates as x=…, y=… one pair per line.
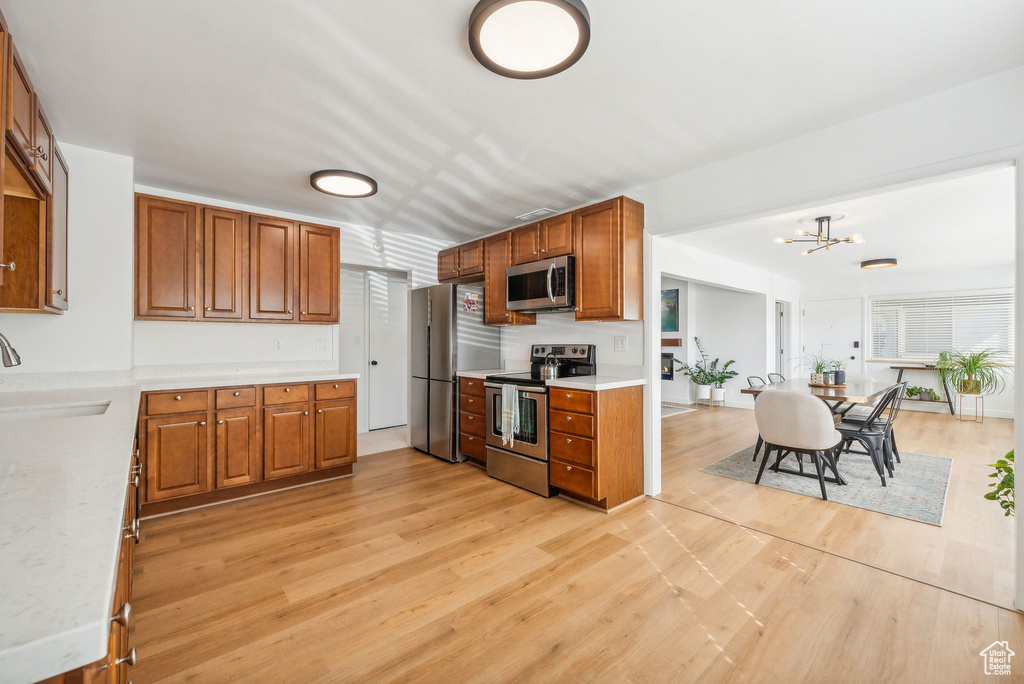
x=335, y=386
x=209, y=309
x=303, y=313
x=469, y=417
x=237, y=393
x=202, y=422
x=123, y=617
x=568, y=467
x=59, y=293
x=568, y=418
x=289, y=310
x=220, y=422
x=191, y=308
x=129, y=659
x=319, y=410
x=133, y=529
x=287, y=389
x=135, y=481
x=469, y=438
x=543, y=251
x=177, y=398
x=305, y=413
x=9, y=266
x=568, y=441
x=568, y=396
x=534, y=251
x=469, y=401
x=133, y=534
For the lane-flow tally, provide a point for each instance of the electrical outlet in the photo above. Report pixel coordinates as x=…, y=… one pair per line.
x=322, y=344
x=278, y=345
x=621, y=343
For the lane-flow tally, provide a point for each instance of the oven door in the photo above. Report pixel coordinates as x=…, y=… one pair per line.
x=532, y=439
x=542, y=286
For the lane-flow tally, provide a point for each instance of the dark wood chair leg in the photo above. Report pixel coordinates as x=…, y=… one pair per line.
x=764, y=462
x=816, y=457
x=757, y=447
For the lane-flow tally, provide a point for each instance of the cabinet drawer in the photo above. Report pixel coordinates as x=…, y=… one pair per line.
x=285, y=394
x=471, y=386
x=472, y=404
x=573, y=423
x=343, y=389
x=176, y=402
x=572, y=448
x=473, y=446
x=573, y=478
x=240, y=397
x=472, y=425
x=572, y=400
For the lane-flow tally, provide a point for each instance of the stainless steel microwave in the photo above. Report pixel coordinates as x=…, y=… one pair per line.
x=546, y=285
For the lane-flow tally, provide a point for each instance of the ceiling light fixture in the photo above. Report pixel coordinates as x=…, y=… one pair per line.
x=877, y=263
x=343, y=183
x=529, y=38
x=823, y=238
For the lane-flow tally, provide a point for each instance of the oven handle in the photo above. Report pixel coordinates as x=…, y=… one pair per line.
x=550, y=281
x=522, y=388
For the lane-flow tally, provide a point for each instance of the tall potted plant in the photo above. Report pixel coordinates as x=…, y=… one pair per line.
x=705, y=374
x=972, y=372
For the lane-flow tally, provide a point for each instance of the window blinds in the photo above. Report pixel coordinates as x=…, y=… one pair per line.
x=918, y=328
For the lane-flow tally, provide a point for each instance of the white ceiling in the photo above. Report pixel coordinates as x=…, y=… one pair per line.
x=243, y=99
x=949, y=225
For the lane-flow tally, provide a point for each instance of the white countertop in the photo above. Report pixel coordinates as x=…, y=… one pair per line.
x=63, y=487
x=481, y=374
x=596, y=383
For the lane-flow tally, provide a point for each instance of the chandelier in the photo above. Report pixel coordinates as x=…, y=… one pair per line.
x=823, y=238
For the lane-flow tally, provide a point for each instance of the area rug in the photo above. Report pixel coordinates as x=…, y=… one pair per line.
x=918, y=492
x=672, y=410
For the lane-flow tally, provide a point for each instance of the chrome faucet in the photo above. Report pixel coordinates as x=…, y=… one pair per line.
x=10, y=354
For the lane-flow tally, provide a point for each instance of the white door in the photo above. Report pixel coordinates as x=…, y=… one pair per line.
x=387, y=363
x=834, y=328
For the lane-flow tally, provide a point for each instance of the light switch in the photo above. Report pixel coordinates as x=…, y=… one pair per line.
x=621, y=343
x=322, y=344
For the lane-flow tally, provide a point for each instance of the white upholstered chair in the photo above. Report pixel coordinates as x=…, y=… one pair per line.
x=798, y=423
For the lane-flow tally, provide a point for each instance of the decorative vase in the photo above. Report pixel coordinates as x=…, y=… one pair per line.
x=718, y=394
x=704, y=392
x=830, y=377
x=817, y=378
x=840, y=377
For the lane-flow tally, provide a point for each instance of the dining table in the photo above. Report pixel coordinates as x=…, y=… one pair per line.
x=859, y=389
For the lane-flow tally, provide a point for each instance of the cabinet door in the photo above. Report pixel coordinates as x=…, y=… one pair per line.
x=42, y=149
x=471, y=259
x=165, y=258
x=57, y=236
x=20, y=117
x=497, y=258
x=526, y=244
x=599, y=261
x=448, y=264
x=177, y=456
x=557, y=236
x=285, y=441
x=272, y=265
x=335, y=433
x=236, y=448
x=319, y=273
x=223, y=264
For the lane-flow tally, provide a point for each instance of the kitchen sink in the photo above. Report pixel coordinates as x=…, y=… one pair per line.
x=17, y=414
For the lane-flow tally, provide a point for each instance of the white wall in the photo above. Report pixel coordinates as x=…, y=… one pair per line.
x=678, y=389
x=95, y=334
x=731, y=325
x=352, y=332
x=558, y=328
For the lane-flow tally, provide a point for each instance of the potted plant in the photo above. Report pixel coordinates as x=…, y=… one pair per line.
x=818, y=366
x=1003, y=486
x=706, y=374
x=840, y=368
x=972, y=372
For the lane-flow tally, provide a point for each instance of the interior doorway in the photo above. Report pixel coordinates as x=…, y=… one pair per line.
x=781, y=336
x=387, y=363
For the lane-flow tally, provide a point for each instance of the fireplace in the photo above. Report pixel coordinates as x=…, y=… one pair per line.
x=668, y=369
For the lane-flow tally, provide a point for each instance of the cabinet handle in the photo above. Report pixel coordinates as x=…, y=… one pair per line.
x=568, y=467
x=469, y=417
x=40, y=152
x=305, y=413
x=470, y=401
x=191, y=308
x=9, y=266
x=543, y=251
x=59, y=293
x=568, y=418
x=287, y=389
x=133, y=531
x=202, y=422
x=534, y=251
x=220, y=422
x=319, y=410
x=136, y=469
x=135, y=481
x=130, y=659
x=303, y=313
x=568, y=396
x=123, y=617
x=289, y=310
x=177, y=397
x=237, y=393
x=335, y=387
x=209, y=309
x=568, y=441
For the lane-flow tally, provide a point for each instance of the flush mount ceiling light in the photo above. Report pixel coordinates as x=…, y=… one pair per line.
x=877, y=263
x=343, y=183
x=823, y=238
x=529, y=38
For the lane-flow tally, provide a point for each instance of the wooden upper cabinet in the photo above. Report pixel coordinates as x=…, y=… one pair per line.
x=237, y=448
x=471, y=259
x=335, y=433
x=223, y=264
x=57, y=236
x=165, y=257
x=557, y=236
x=448, y=264
x=609, y=261
x=20, y=103
x=272, y=266
x=42, y=148
x=177, y=456
x=286, y=436
x=498, y=257
x=526, y=244
x=319, y=274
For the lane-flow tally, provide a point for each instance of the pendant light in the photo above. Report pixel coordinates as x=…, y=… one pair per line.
x=529, y=38
x=823, y=237
x=343, y=183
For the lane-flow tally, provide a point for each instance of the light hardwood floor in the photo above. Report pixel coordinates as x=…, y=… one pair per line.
x=971, y=553
x=419, y=570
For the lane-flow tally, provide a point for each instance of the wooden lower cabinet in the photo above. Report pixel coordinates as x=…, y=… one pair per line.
x=335, y=433
x=177, y=456
x=236, y=448
x=286, y=436
x=472, y=418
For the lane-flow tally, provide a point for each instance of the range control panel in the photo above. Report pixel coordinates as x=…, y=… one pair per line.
x=584, y=352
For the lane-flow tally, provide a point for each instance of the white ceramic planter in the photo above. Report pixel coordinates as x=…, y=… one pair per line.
x=817, y=378
x=718, y=394
x=703, y=392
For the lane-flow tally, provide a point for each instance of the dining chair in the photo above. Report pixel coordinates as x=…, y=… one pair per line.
x=798, y=423
x=856, y=416
x=875, y=433
x=776, y=377
x=756, y=381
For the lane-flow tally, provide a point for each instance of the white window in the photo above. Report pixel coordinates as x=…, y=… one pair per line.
x=918, y=327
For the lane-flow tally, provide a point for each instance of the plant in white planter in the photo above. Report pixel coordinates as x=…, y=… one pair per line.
x=708, y=377
x=818, y=366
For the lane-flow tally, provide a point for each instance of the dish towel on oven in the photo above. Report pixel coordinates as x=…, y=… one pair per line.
x=509, y=414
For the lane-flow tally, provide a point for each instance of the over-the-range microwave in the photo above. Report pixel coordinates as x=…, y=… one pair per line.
x=546, y=285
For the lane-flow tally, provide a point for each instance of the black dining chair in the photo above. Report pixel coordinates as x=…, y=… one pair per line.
x=776, y=377
x=756, y=381
x=894, y=410
x=875, y=433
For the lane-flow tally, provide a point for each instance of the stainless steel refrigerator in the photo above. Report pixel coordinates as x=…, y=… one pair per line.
x=447, y=335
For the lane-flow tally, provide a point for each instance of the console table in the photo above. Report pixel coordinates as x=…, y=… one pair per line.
x=923, y=367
